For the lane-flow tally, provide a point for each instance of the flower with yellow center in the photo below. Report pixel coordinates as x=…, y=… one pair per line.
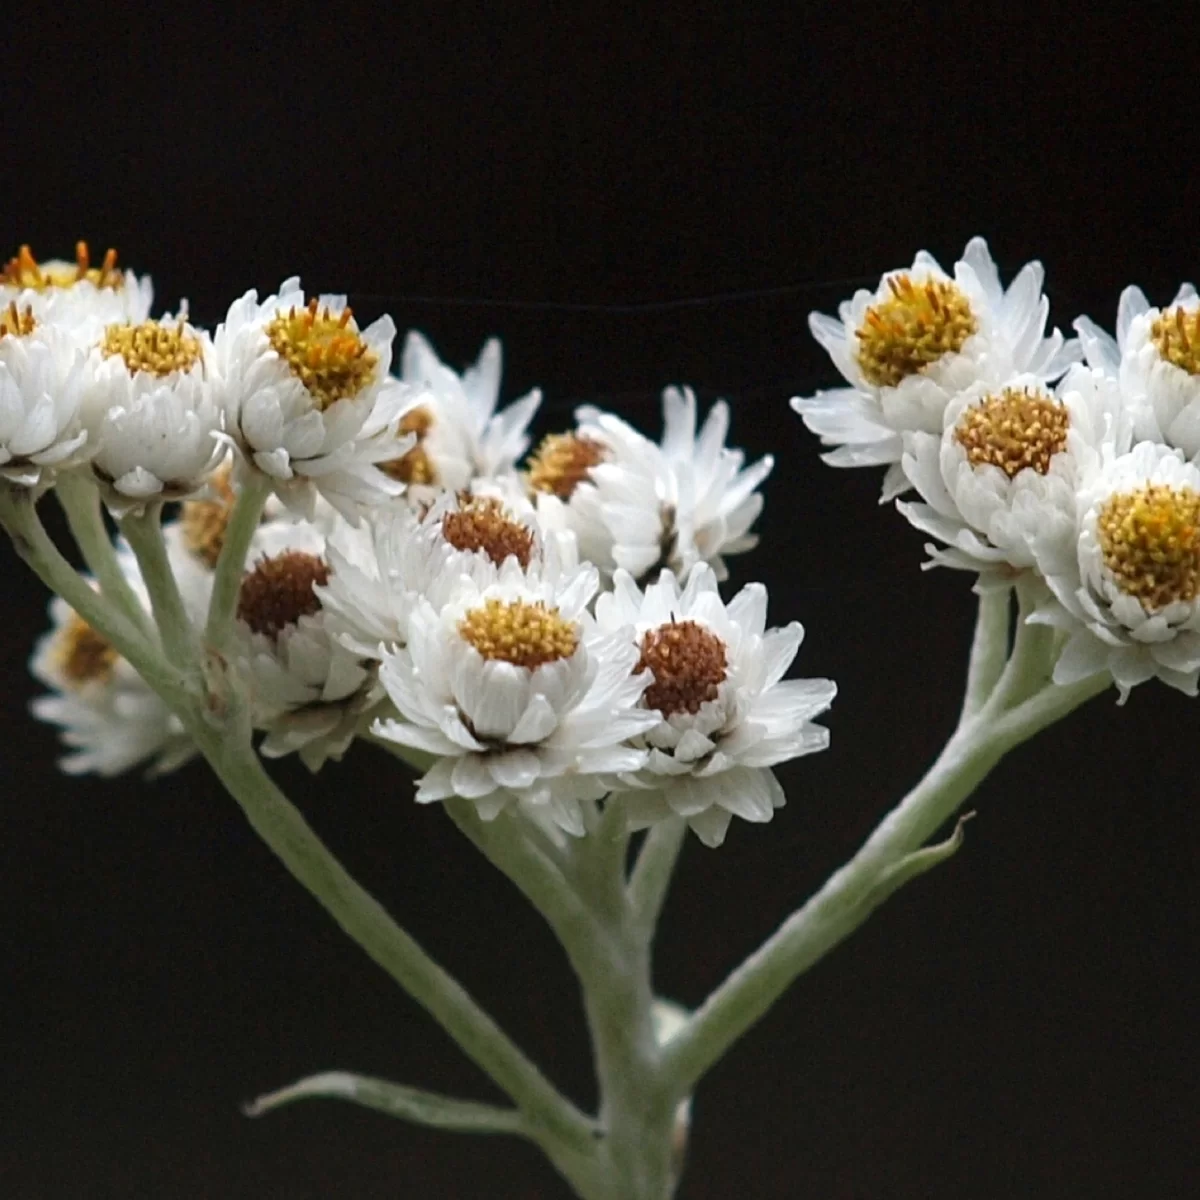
x=68, y=293
x=17, y=322
x=922, y=337
x=518, y=696
x=562, y=462
x=204, y=520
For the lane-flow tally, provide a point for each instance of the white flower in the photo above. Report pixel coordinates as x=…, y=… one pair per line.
x=309, y=693
x=921, y=337
x=308, y=399
x=1005, y=469
x=723, y=715
x=150, y=412
x=41, y=389
x=460, y=436
x=1156, y=356
x=109, y=716
x=1125, y=583
x=518, y=695
x=639, y=505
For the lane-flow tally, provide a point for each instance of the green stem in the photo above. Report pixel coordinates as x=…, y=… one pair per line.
x=227, y=578
x=989, y=648
x=652, y=873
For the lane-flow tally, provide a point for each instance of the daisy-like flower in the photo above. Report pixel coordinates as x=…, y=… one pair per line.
x=150, y=411
x=460, y=435
x=1005, y=469
x=110, y=718
x=639, y=505
x=1156, y=356
x=519, y=696
x=70, y=294
x=308, y=400
x=1126, y=583
x=921, y=337
x=308, y=692
x=41, y=389
x=722, y=715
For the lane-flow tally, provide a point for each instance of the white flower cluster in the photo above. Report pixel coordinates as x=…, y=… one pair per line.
x=540, y=631
x=1075, y=464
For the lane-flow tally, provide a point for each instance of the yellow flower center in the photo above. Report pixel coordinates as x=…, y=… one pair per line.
x=483, y=524
x=16, y=322
x=24, y=271
x=912, y=328
x=279, y=591
x=204, y=522
x=1176, y=335
x=324, y=351
x=415, y=466
x=1150, y=538
x=518, y=632
x=151, y=348
x=689, y=665
x=1013, y=430
x=562, y=462
x=82, y=655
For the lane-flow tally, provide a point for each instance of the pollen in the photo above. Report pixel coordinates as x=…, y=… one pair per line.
x=15, y=322
x=911, y=329
x=562, y=462
x=1015, y=430
x=151, y=348
x=515, y=631
x=1176, y=335
x=82, y=655
x=24, y=271
x=279, y=591
x=483, y=524
x=205, y=521
x=1150, y=539
x=689, y=665
x=324, y=350
x=415, y=466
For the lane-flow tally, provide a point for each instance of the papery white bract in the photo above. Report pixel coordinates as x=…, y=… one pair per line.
x=921, y=337
x=723, y=714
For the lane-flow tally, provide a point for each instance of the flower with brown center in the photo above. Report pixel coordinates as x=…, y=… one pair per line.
x=526, y=634
x=324, y=351
x=482, y=523
x=81, y=655
x=152, y=348
x=1150, y=540
x=912, y=328
x=25, y=272
x=278, y=591
x=562, y=462
x=689, y=665
x=1015, y=429
x=416, y=466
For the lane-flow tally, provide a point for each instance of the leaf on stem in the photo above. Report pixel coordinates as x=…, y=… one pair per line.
x=917, y=863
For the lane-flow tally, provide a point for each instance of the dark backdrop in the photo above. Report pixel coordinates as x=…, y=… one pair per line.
x=1022, y=1021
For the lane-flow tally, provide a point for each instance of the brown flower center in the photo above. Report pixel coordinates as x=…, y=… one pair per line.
x=562, y=462
x=518, y=632
x=279, y=591
x=1150, y=539
x=1013, y=430
x=415, y=466
x=204, y=521
x=325, y=352
x=16, y=322
x=483, y=524
x=912, y=328
x=1176, y=335
x=82, y=655
x=24, y=271
x=689, y=665
x=152, y=348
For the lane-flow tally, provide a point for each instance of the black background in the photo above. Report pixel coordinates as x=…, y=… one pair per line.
x=1022, y=1021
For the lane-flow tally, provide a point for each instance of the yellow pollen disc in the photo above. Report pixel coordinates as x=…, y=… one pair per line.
x=483, y=524
x=152, y=348
x=204, y=521
x=24, y=271
x=1014, y=430
x=16, y=322
x=415, y=466
x=279, y=591
x=1176, y=335
x=82, y=655
x=562, y=462
x=517, y=632
x=689, y=666
x=912, y=328
x=1151, y=543
x=324, y=351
